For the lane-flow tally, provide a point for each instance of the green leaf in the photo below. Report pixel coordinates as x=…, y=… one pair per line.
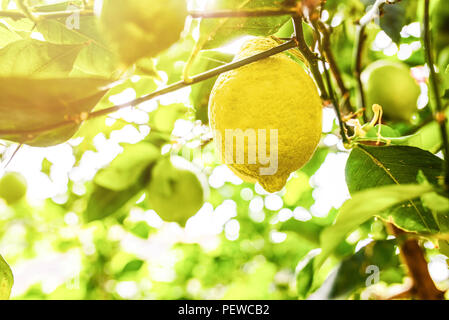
x=95, y=58
x=104, y=202
x=439, y=206
x=371, y=167
x=305, y=272
x=47, y=103
x=395, y=16
x=164, y=117
x=132, y=266
x=446, y=93
x=222, y=31
x=33, y=58
x=353, y=272
x=393, y=20
x=306, y=230
x=127, y=167
x=7, y=35
x=200, y=93
x=172, y=61
x=363, y=205
x=141, y=229
x=6, y=279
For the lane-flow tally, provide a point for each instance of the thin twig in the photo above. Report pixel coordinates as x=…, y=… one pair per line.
x=171, y=88
x=327, y=50
x=330, y=89
x=360, y=41
x=439, y=112
x=311, y=57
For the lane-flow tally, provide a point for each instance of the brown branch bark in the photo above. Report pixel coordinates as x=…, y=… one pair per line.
x=413, y=256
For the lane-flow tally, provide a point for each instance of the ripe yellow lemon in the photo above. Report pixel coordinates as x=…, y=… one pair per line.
x=13, y=187
x=175, y=191
x=142, y=28
x=391, y=85
x=266, y=117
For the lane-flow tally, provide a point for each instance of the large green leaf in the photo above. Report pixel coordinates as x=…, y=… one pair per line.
x=47, y=102
x=363, y=205
x=354, y=273
x=33, y=58
x=127, y=167
x=371, y=167
x=7, y=35
x=222, y=31
x=395, y=16
x=104, y=202
x=6, y=279
x=95, y=58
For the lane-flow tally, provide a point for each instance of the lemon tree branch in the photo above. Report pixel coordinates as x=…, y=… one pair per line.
x=412, y=255
x=439, y=112
x=331, y=92
x=359, y=45
x=310, y=56
x=330, y=58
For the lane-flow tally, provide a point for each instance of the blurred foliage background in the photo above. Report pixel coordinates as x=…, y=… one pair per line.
x=84, y=230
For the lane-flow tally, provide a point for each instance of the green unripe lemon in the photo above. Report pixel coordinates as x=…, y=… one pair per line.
x=142, y=28
x=13, y=187
x=175, y=191
x=391, y=85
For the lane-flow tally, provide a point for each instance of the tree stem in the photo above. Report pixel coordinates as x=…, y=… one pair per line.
x=360, y=41
x=439, y=112
x=330, y=89
x=413, y=256
x=327, y=50
x=311, y=57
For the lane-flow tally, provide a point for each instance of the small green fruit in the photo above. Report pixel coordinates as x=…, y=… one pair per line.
x=175, y=191
x=13, y=187
x=142, y=28
x=391, y=85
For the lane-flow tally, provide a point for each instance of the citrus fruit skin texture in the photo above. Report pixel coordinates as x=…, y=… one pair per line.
x=271, y=94
x=391, y=85
x=142, y=28
x=176, y=194
x=13, y=187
